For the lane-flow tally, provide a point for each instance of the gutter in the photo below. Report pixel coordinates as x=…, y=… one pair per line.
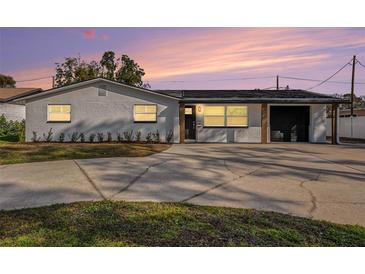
x=268, y=100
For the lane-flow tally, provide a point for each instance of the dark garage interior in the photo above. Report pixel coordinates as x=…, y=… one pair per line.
x=289, y=123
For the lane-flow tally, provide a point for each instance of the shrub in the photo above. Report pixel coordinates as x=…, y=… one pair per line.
x=128, y=135
x=100, y=137
x=149, y=137
x=156, y=136
x=109, y=138
x=119, y=137
x=61, y=138
x=170, y=136
x=35, y=137
x=9, y=138
x=92, y=137
x=48, y=137
x=11, y=130
x=21, y=132
x=82, y=137
x=74, y=137
x=138, y=136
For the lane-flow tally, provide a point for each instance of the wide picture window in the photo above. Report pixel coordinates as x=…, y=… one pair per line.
x=214, y=116
x=145, y=113
x=225, y=116
x=59, y=113
x=236, y=116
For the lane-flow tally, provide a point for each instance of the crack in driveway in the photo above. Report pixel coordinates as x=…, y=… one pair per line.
x=221, y=184
x=88, y=178
x=139, y=176
x=311, y=194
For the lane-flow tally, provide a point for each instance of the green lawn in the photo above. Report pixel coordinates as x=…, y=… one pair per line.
x=166, y=224
x=13, y=153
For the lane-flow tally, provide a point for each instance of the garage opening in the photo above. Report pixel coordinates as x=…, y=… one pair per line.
x=289, y=123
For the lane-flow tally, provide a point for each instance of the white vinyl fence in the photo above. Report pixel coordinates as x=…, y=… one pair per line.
x=358, y=127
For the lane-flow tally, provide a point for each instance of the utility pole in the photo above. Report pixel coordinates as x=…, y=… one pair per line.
x=353, y=85
x=277, y=82
x=52, y=81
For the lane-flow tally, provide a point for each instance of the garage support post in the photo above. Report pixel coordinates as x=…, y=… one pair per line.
x=334, y=124
x=182, y=122
x=264, y=123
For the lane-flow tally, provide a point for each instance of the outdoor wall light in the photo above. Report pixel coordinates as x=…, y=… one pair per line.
x=199, y=108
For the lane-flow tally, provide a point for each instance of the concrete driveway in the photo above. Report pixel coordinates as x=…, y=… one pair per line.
x=311, y=180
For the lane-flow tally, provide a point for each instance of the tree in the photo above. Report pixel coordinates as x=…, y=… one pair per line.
x=7, y=81
x=108, y=64
x=73, y=70
x=129, y=73
x=358, y=101
x=123, y=70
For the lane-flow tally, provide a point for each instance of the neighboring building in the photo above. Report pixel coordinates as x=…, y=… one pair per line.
x=347, y=112
x=225, y=116
x=11, y=110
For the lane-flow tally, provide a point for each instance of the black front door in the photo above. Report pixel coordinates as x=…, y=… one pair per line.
x=289, y=123
x=190, y=122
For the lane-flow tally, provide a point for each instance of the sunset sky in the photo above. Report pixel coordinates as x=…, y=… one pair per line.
x=194, y=58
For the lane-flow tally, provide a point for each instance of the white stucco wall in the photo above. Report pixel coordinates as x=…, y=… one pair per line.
x=317, y=124
x=250, y=134
x=91, y=113
x=12, y=112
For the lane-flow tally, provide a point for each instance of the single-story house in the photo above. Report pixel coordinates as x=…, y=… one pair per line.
x=224, y=116
x=10, y=109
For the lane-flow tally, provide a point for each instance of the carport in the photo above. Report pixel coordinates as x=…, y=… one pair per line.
x=289, y=123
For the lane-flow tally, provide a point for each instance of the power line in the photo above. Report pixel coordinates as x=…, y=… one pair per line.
x=324, y=81
x=245, y=78
x=358, y=62
x=29, y=80
x=212, y=80
x=316, y=80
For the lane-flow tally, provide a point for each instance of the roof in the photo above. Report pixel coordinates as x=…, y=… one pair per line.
x=7, y=94
x=254, y=96
x=216, y=96
x=95, y=80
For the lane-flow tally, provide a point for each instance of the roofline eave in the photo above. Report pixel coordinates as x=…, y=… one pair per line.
x=91, y=81
x=267, y=100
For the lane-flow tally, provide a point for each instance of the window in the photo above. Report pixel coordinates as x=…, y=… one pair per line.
x=59, y=113
x=225, y=116
x=237, y=116
x=188, y=111
x=214, y=116
x=145, y=113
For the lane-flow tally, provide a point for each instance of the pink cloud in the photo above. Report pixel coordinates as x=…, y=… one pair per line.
x=104, y=37
x=89, y=34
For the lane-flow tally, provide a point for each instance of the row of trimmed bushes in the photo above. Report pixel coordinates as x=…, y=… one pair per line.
x=126, y=136
x=11, y=131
